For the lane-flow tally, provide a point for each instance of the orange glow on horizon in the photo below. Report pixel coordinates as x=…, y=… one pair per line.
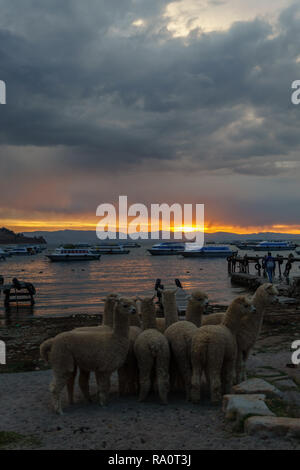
x=19, y=225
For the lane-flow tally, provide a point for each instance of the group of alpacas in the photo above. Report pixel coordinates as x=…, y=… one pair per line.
x=162, y=354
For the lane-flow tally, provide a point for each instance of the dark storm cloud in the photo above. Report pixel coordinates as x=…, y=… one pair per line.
x=89, y=91
x=86, y=79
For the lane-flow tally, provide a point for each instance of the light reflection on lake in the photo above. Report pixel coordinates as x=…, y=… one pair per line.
x=79, y=287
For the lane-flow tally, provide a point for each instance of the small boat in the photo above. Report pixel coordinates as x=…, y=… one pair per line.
x=245, y=245
x=72, y=254
x=2, y=254
x=167, y=248
x=131, y=245
x=20, y=251
x=208, y=252
x=110, y=249
x=275, y=246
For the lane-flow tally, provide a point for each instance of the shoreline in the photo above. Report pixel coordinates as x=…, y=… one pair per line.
x=23, y=336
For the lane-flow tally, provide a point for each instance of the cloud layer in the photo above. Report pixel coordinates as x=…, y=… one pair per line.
x=108, y=98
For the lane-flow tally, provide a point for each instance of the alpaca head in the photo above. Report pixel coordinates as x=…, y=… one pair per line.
x=267, y=293
x=125, y=306
x=239, y=308
x=199, y=299
x=146, y=303
x=168, y=296
x=110, y=300
x=243, y=306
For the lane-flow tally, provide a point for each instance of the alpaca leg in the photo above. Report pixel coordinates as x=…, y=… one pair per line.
x=133, y=379
x=214, y=368
x=145, y=379
x=174, y=376
x=228, y=373
x=185, y=371
x=198, y=366
x=244, y=373
x=239, y=367
x=84, y=378
x=70, y=387
x=122, y=377
x=56, y=387
x=163, y=378
x=103, y=383
x=195, y=392
x=215, y=386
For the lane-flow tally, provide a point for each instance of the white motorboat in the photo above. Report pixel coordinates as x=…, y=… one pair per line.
x=110, y=249
x=167, y=248
x=72, y=254
x=216, y=251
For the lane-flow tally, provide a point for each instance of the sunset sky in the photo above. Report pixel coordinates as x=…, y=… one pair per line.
x=186, y=101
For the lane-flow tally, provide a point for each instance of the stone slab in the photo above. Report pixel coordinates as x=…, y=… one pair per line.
x=272, y=426
x=257, y=386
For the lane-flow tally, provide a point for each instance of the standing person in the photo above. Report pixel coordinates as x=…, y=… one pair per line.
x=270, y=266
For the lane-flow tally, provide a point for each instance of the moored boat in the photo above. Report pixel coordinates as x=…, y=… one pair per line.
x=131, y=245
x=167, y=248
x=19, y=251
x=110, y=249
x=275, y=246
x=208, y=252
x=72, y=254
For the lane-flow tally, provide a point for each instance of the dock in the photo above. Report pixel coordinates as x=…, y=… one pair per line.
x=18, y=293
x=239, y=271
x=242, y=264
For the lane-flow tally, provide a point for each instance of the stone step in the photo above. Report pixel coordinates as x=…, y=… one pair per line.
x=238, y=407
x=257, y=386
x=272, y=426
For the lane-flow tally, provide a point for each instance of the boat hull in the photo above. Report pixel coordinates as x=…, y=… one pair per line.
x=271, y=248
x=164, y=252
x=206, y=255
x=113, y=252
x=56, y=258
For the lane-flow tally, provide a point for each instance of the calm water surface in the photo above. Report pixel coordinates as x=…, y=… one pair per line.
x=79, y=287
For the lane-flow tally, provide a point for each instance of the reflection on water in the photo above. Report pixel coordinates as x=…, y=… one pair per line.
x=79, y=287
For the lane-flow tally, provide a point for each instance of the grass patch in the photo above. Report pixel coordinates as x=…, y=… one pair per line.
x=10, y=439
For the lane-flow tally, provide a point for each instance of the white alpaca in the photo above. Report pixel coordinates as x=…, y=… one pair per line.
x=214, y=351
x=101, y=352
x=170, y=309
x=250, y=326
x=179, y=335
x=152, y=353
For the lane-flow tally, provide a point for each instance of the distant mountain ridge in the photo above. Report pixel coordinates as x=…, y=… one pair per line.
x=8, y=237
x=89, y=236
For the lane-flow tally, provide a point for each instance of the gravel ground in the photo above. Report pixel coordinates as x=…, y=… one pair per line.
x=125, y=423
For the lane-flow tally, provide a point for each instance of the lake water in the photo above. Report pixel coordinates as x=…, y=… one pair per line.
x=79, y=287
